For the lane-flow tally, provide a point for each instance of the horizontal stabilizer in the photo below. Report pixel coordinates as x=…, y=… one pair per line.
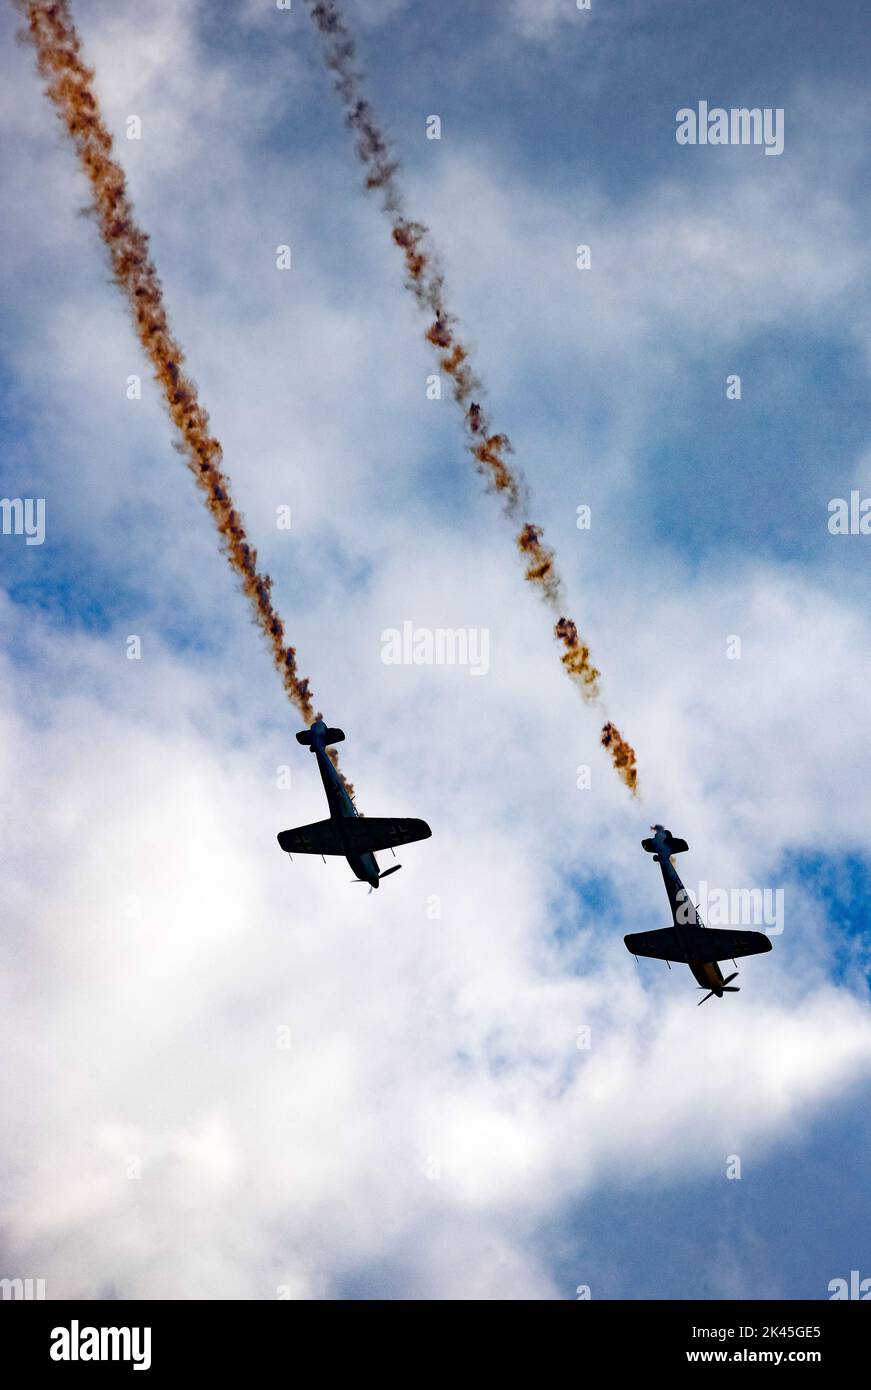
x=325, y=737
x=699, y=945
x=318, y=838
x=672, y=845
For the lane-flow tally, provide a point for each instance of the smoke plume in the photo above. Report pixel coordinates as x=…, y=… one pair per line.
x=51, y=30
x=490, y=449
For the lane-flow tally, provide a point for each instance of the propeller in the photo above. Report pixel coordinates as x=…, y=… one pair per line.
x=725, y=988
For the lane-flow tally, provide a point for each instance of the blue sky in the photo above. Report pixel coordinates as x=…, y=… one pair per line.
x=433, y=1127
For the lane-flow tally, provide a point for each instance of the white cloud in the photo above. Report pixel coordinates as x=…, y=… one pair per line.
x=156, y=941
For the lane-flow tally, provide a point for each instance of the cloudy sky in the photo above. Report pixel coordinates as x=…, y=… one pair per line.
x=231, y=1076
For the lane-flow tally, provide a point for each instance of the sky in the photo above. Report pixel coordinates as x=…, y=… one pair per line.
x=230, y=1076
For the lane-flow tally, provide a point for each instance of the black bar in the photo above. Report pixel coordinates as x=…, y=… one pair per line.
x=218, y=1339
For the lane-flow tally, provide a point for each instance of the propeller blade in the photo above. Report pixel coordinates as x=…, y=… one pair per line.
x=707, y=996
x=730, y=978
x=732, y=989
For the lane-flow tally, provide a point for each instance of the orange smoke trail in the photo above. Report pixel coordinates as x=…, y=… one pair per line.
x=622, y=755
x=490, y=450
x=51, y=30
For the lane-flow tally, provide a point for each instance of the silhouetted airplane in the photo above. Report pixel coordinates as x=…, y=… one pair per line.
x=356, y=837
x=689, y=941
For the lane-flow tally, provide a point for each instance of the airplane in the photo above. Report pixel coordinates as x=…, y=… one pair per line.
x=346, y=832
x=689, y=941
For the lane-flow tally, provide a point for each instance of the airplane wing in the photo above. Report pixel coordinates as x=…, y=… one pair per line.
x=659, y=945
x=703, y=944
x=371, y=833
x=318, y=838
x=714, y=943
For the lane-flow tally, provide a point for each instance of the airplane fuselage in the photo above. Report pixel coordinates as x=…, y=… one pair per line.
x=342, y=810
x=708, y=974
